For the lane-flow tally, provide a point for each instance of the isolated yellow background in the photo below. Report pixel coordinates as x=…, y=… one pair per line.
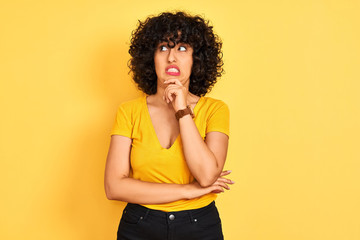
x=291, y=82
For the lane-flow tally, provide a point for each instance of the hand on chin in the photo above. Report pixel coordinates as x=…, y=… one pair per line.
x=175, y=93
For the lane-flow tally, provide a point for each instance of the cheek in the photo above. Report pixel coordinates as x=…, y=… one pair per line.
x=157, y=63
x=190, y=64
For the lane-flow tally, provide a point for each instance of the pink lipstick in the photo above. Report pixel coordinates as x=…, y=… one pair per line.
x=172, y=70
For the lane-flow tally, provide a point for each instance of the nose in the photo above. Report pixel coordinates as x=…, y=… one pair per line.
x=172, y=55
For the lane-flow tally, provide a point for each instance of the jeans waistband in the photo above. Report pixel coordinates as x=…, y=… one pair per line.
x=185, y=213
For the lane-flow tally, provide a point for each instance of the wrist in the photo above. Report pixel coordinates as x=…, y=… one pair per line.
x=183, y=112
x=185, y=191
x=180, y=107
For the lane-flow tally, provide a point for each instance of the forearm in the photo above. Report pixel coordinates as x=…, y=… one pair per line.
x=135, y=191
x=199, y=158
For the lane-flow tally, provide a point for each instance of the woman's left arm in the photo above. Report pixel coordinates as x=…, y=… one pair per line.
x=205, y=159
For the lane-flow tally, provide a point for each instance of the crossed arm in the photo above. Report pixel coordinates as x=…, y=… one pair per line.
x=119, y=186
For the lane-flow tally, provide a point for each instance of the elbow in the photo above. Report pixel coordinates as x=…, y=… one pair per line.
x=207, y=182
x=208, y=178
x=204, y=184
x=114, y=191
x=111, y=192
x=108, y=192
x=109, y=196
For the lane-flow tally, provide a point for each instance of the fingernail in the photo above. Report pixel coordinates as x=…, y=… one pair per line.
x=229, y=171
x=232, y=182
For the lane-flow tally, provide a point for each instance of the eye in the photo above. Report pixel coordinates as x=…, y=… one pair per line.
x=182, y=48
x=163, y=48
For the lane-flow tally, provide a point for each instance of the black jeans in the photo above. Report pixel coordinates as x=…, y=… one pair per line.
x=139, y=222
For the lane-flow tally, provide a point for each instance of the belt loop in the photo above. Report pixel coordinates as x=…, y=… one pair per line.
x=191, y=216
x=146, y=213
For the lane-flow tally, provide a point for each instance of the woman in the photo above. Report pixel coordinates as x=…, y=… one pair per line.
x=168, y=148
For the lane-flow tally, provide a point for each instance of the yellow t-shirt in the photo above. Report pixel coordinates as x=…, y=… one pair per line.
x=151, y=162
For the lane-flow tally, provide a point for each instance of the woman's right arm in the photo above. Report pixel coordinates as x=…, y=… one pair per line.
x=119, y=186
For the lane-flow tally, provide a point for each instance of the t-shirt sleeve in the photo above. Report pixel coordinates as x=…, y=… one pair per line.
x=219, y=119
x=122, y=125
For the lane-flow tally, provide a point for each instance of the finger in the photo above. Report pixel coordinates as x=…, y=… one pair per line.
x=174, y=87
x=167, y=94
x=171, y=90
x=216, y=189
x=224, y=173
x=222, y=184
x=166, y=98
x=171, y=96
x=177, y=88
x=173, y=81
x=172, y=93
x=225, y=180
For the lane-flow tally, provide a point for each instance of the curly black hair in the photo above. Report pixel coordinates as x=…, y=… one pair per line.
x=174, y=28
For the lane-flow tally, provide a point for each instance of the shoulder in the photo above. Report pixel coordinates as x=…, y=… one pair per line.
x=132, y=107
x=133, y=104
x=213, y=104
x=209, y=108
x=216, y=115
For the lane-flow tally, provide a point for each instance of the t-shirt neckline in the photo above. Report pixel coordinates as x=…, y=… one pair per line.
x=146, y=109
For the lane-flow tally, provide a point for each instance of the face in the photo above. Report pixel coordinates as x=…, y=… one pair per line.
x=173, y=62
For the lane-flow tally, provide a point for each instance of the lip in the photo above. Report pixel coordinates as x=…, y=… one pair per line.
x=172, y=73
